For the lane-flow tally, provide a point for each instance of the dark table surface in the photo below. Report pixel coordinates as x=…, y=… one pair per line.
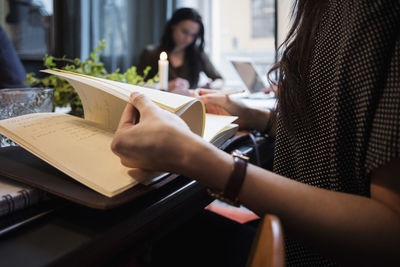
x=70, y=234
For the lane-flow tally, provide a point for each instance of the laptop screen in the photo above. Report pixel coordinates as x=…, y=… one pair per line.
x=249, y=75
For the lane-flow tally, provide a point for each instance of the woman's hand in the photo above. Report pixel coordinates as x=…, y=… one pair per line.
x=219, y=104
x=179, y=86
x=249, y=119
x=272, y=89
x=151, y=138
x=154, y=139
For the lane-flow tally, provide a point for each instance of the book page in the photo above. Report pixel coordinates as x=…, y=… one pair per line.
x=172, y=102
x=226, y=133
x=215, y=124
x=99, y=106
x=77, y=147
x=104, y=100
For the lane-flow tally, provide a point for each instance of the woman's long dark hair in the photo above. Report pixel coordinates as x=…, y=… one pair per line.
x=293, y=64
x=193, y=53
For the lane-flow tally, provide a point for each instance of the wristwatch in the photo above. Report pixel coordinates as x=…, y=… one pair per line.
x=235, y=181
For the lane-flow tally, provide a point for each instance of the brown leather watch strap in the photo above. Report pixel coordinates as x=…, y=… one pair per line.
x=235, y=181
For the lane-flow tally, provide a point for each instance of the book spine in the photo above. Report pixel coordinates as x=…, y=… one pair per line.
x=24, y=198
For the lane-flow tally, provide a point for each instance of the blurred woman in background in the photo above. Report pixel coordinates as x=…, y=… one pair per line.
x=183, y=41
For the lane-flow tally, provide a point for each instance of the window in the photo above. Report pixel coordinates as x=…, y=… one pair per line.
x=28, y=25
x=244, y=30
x=263, y=18
x=107, y=20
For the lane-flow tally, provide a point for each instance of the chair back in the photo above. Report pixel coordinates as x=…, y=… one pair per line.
x=268, y=246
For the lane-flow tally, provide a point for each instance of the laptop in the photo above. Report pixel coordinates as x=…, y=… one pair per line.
x=250, y=78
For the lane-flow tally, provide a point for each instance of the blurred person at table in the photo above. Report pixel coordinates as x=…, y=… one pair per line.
x=12, y=72
x=183, y=41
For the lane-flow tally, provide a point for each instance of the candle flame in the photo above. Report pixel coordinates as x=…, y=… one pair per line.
x=163, y=56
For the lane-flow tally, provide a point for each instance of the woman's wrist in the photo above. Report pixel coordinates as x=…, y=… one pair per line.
x=203, y=161
x=255, y=119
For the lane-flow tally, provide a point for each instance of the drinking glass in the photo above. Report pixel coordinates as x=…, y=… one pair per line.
x=19, y=101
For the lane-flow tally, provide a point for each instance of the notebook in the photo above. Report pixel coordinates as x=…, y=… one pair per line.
x=251, y=79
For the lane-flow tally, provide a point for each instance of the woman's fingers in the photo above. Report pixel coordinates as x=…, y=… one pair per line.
x=215, y=99
x=216, y=109
x=148, y=144
x=141, y=102
x=273, y=88
x=129, y=116
x=215, y=104
x=133, y=110
x=201, y=91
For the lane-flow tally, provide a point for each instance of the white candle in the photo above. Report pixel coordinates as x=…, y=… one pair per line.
x=163, y=71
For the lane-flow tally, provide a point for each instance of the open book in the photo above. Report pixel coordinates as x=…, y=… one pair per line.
x=81, y=147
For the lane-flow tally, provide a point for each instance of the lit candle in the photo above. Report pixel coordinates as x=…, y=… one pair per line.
x=163, y=71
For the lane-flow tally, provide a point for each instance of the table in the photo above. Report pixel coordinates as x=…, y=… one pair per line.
x=72, y=235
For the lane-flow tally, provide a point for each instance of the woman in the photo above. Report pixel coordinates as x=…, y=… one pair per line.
x=183, y=40
x=335, y=184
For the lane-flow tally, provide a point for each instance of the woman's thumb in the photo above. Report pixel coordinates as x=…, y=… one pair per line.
x=140, y=101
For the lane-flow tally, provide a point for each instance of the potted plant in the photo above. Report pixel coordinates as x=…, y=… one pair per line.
x=65, y=95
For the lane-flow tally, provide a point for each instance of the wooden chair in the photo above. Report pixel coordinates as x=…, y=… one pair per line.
x=268, y=246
